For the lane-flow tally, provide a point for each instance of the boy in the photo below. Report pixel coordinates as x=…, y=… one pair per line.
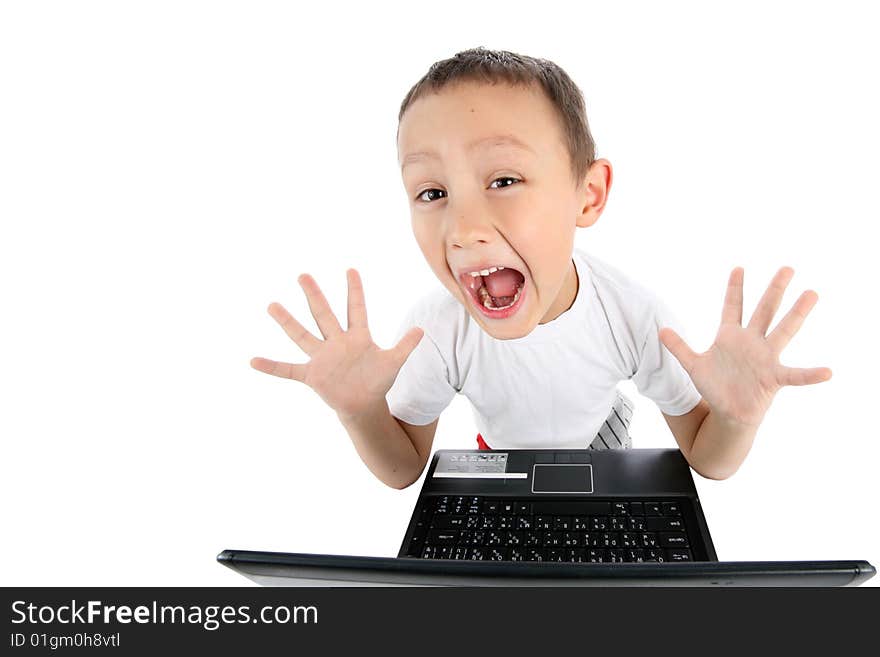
x=534, y=332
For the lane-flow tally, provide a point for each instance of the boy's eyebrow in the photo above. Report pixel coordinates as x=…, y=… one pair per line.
x=483, y=142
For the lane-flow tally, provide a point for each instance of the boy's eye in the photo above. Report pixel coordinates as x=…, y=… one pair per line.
x=507, y=178
x=440, y=190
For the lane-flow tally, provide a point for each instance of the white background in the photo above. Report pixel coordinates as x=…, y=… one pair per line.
x=167, y=169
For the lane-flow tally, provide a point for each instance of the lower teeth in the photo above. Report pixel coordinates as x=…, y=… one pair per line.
x=487, y=301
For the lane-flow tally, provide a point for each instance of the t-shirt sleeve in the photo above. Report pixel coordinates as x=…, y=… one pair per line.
x=659, y=376
x=421, y=390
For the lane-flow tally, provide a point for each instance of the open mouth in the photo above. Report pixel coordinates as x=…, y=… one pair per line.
x=498, y=293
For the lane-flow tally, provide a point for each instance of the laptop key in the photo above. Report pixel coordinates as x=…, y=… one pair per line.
x=536, y=554
x=561, y=522
x=505, y=522
x=618, y=555
x=459, y=552
x=442, y=551
x=442, y=537
x=675, y=523
x=576, y=555
x=597, y=556
x=523, y=522
x=580, y=522
x=571, y=508
x=636, y=523
x=679, y=555
x=673, y=540
x=497, y=554
x=663, y=523
x=598, y=523
x=416, y=546
x=636, y=555
x=543, y=522
x=652, y=554
x=619, y=523
x=449, y=522
x=556, y=554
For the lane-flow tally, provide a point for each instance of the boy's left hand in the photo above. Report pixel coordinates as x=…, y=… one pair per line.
x=740, y=373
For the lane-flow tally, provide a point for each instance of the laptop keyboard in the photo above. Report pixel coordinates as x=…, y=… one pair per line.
x=581, y=531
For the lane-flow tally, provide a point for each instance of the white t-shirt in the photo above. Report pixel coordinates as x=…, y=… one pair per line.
x=554, y=387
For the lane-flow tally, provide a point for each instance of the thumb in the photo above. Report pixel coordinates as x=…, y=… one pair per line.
x=678, y=347
x=401, y=351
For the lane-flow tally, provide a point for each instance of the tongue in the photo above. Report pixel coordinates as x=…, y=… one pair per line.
x=502, y=283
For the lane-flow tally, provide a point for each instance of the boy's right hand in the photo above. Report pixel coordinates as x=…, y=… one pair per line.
x=347, y=369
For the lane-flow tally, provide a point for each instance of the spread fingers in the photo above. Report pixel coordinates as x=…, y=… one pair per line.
x=321, y=311
x=295, y=331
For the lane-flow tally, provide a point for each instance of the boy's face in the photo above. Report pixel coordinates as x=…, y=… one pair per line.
x=477, y=217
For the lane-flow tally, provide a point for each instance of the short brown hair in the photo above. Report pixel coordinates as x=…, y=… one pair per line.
x=494, y=66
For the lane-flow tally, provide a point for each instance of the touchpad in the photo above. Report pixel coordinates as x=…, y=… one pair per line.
x=562, y=478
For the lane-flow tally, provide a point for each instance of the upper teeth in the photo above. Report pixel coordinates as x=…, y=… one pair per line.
x=485, y=272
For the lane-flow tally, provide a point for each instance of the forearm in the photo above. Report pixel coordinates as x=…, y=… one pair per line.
x=720, y=446
x=383, y=445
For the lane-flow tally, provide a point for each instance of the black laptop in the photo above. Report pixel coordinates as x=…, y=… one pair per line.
x=553, y=517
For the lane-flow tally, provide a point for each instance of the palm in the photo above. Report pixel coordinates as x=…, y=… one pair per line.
x=350, y=364
x=740, y=373
x=347, y=369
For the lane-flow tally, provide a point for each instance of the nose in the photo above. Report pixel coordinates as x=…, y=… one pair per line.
x=469, y=224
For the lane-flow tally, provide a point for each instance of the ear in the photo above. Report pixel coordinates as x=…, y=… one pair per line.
x=594, y=192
